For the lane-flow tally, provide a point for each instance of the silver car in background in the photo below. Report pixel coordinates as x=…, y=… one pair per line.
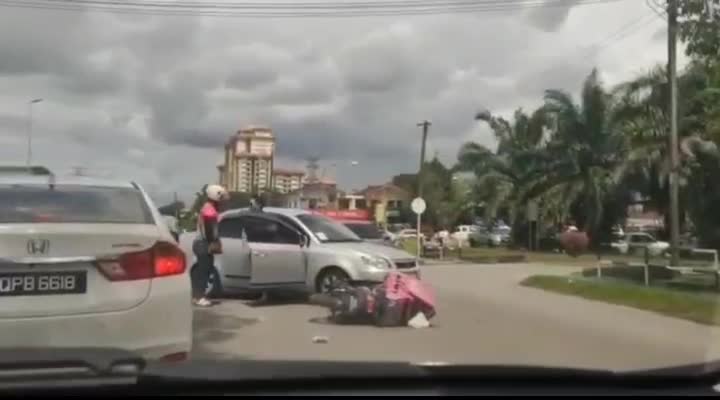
x=294, y=249
x=494, y=236
x=367, y=231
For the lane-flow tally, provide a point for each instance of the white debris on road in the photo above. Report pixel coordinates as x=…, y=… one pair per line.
x=320, y=339
x=419, y=321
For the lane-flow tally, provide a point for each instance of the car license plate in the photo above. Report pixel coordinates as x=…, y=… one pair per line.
x=43, y=283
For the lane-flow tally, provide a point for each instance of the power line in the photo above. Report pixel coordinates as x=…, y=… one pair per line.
x=626, y=30
x=327, y=5
x=294, y=10
x=251, y=9
x=657, y=8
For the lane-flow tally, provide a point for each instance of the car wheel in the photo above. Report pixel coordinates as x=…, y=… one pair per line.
x=214, y=285
x=329, y=278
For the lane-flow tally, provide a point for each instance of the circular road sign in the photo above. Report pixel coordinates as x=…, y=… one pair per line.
x=418, y=205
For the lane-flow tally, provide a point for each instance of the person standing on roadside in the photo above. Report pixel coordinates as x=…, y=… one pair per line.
x=207, y=243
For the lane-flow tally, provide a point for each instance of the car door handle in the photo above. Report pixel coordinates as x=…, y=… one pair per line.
x=258, y=254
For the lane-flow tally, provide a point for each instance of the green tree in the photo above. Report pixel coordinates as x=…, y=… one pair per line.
x=172, y=209
x=644, y=120
x=437, y=185
x=585, y=157
x=502, y=175
x=699, y=24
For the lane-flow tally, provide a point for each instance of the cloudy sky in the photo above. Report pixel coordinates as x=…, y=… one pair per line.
x=153, y=98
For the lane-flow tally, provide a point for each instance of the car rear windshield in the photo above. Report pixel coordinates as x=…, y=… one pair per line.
x=365, y=231
x=72, y=204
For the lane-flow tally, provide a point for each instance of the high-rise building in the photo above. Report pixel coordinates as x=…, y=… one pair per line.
x=248, y=164
x=286, y=181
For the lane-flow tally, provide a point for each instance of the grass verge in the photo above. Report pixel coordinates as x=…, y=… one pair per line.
x=698, y=308
x=480, y=254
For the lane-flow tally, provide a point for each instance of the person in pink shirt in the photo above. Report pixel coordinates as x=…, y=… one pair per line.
x=207, y=243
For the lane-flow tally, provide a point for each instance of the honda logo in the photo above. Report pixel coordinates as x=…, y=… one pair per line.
x=38, y=246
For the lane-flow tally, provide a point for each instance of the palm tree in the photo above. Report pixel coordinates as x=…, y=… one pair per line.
x=584, y=159
x=501, y=174
x=643, y=118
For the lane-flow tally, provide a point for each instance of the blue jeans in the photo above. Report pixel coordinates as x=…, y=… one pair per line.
x=200, y=275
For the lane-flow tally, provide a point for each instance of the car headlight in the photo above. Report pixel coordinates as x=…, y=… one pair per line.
x=377, y=262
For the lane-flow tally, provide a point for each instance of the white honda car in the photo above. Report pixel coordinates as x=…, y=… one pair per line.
x=90, y=263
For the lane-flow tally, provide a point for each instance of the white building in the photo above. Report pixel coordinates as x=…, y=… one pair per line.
x=286, y=181
x=249, y=157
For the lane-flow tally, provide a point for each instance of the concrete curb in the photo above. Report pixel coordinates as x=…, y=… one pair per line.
x=508, y=259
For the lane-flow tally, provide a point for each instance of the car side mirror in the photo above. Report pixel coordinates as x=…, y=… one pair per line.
x=303, y=240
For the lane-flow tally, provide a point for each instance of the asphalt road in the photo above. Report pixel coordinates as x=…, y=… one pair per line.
x=484, y=317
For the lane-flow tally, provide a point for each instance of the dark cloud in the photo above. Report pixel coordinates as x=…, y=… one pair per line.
x=551, y=18
x=560, y=76
x=154, y=99
x=248, y=76
x=179, y=109
x=86, y=81
x=12, y=124
x=31, y=42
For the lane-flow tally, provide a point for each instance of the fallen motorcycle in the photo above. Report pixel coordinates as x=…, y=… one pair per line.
x=395, y=302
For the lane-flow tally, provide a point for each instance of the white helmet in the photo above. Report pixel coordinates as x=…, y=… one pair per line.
x=216, y=192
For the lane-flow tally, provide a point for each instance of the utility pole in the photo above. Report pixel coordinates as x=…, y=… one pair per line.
x=672, y=12
x=79, y=171
x=425, y=126
x=175, y=205
x=30, y=130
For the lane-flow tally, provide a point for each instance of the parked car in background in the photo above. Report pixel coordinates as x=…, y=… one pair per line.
x=367, y=231
x=391, y=232
x=637, y=242
x=495, y=236
x=464, y=235
x=408, y=234
x=87, y=261
x=689, y=241
x=284, y=249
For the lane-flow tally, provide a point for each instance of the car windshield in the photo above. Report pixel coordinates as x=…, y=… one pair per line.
x=327, y=230
x=72, y=204
x=364, y=230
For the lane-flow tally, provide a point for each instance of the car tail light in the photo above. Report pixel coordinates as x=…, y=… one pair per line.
x=163, y=259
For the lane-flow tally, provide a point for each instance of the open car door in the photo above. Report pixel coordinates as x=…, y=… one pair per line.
x=277, y=252
x=235, y=260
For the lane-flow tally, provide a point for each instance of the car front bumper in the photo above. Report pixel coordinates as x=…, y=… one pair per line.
x=376, y=275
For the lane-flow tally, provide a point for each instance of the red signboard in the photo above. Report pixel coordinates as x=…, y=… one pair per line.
x=354, y=215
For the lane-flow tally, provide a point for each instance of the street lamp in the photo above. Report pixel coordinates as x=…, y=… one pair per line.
x=30, y=129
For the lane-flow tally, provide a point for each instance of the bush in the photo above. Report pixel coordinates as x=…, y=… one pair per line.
x=574, y=243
